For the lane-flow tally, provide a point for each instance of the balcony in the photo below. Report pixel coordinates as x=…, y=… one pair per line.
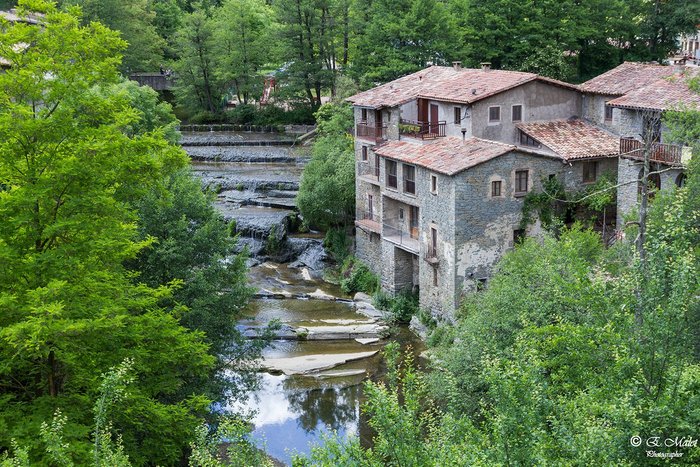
x=368, y=172
x=431, y=255
x=373, y=133
x=406, y=239
x=368, y=220
x=422, y=130
x=670, y=154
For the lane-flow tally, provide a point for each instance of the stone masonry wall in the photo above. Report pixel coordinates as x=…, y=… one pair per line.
x=485, y=225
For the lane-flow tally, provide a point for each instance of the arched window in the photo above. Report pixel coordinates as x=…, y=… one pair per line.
x=680, y=180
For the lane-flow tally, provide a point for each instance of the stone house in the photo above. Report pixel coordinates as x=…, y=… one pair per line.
x=630, y=100
x=445, y=158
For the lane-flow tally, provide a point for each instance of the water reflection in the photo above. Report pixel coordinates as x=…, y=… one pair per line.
x=291, y=414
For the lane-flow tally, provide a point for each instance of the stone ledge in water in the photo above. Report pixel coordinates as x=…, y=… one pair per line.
x=367, y=340
x=347, y=332
x=368, y=310
x=312, y=363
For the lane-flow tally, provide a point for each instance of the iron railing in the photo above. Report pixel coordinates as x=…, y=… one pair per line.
x=422, y=130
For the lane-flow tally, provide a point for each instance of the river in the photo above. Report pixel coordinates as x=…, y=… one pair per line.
x=312, y=375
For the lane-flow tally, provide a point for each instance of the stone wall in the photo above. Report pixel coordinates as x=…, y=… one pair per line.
x=368, y=249
x=573, y=173
x=485, y=225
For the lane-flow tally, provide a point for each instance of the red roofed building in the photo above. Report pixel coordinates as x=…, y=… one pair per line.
x=445, y=157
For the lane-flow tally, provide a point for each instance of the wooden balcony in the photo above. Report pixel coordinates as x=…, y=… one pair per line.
x=368, y=221
x=367, y=132
x=422, y=130
x=669, y=154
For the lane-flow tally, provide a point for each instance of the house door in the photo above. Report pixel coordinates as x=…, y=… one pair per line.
x=378, y=123
x=413, y=221
x=422, y=110
x=433, y=118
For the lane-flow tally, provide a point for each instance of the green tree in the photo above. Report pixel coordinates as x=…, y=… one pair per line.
x=198, y=87
x=244, y=34
x=71, y=167
x=397, y=37
x=327, y=191
x=135, y=20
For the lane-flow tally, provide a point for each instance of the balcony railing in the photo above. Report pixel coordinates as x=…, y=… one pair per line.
x=660, y=152
x=408, y=239
x=373, y=133
x=422, y=130
x=367, y=170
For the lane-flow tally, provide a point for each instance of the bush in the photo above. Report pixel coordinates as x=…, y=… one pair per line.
x=337, y=244
x=401, y=307
x=356, y=277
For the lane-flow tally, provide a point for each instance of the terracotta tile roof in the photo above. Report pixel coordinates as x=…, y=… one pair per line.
x=448, y=156
x=464, y=85
x=573, y=139
x=662, y=94
x=625, y=78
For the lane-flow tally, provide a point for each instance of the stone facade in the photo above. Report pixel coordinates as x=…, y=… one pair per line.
x=442, y=231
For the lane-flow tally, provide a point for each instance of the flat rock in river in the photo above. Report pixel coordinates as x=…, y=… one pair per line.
x=312, y=363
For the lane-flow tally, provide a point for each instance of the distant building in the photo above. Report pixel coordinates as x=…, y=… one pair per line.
x=445, y=157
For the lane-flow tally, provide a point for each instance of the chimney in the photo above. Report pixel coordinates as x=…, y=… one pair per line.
x=486, y=66
x=457, y=65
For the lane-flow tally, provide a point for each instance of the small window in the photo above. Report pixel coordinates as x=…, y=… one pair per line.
x=435, y=277
x=458, y=115
x=496, y=188
x=608, y=113
x=364, y=153
x=401, y=213
x=521, y=179
x=590, y=171
x=494, y=114
x=370, y=207
x=391, y=178
x=552, y=177
x=480, y=284
x=517, y=113
x=409, y=179
x=433, y=184
x=518, y=236
x=527, y=140
x=432, y=252
x=364, y=116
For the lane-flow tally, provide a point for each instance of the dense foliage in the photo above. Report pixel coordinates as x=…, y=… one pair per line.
x=223, y=49
x=327, y=191
x=107, y=249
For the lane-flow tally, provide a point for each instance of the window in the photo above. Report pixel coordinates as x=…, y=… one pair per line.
x=432, y=249
x=391, y=179
x=480, y=284
x=364, y=116
x=521, y=182
x=608, y=113
x=409, y=179
x=364, y=153
x=496, y=188
x=401, y=213
x=518, y=236
x=435, y=277
x=552, y=177
x=370, y=207
x=433, y=184
x=527, y=140
x=590, y=171
x=376, y=166
x=517, y=113
x=494, y=114
x=458, y=115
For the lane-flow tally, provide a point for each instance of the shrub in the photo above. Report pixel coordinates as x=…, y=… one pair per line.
x=400, y=308
x=356, y=277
